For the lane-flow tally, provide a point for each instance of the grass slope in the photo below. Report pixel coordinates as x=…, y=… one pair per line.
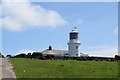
x=33, y=68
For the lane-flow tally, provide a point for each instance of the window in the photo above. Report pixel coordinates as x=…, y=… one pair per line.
x=73, y=35
x=76, y=47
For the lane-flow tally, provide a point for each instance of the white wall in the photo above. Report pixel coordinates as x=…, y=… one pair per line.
x=73, y=51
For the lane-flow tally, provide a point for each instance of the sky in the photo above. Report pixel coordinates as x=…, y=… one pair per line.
x=33, y=26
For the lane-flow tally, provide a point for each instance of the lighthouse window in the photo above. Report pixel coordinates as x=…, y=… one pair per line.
x=73, y=35
x=76, y=47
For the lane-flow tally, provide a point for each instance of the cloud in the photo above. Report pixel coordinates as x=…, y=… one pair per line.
x=116, y=30
x=103, y=51
x=25, y=51
x=17, y=16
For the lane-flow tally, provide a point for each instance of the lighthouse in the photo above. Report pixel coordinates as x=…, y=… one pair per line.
x=74, y=43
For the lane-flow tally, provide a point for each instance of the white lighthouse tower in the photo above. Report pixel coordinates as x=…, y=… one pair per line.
x=74, y=43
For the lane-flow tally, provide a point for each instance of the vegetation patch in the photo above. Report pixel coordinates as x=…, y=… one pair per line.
x=34, y=68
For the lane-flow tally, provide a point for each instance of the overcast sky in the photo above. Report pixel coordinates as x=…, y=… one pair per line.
x=33, y=26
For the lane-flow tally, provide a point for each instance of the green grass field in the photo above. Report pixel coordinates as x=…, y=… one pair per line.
x=33, y=68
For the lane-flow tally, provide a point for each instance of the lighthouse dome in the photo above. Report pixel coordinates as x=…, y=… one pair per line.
x=74, y=34
x=74, y=30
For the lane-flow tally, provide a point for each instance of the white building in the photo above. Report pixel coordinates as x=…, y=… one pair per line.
x=74, y=43
x=55, y=52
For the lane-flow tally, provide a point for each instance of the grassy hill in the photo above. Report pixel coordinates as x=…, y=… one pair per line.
x=33, y=68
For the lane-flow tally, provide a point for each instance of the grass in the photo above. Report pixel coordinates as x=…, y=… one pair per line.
x=33, y=68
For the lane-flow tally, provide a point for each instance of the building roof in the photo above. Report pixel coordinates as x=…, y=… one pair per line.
x=74, y=30
x=55, y=52
x=84, y=55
